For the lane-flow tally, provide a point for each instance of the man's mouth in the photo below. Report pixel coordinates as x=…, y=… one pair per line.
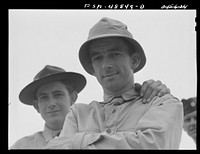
x=192, y=130
x=109, y=75
x=53, y=111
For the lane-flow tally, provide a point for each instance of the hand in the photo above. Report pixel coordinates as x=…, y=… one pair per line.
x=149, y=89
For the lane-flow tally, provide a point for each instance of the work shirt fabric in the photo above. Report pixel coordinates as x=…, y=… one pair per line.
x=131, y=125
x=37, y=140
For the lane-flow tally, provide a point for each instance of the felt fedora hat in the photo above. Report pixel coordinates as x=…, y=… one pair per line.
x=189, y=105
x=49, y=74
x=105, y=28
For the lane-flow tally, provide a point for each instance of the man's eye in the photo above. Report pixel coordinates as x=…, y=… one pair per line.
x=96, y=58
x=43, y=98
x=58, y=94
x=187, y=120
x=115, y=54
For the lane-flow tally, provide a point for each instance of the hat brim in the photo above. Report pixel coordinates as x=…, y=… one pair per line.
x=27, y=95
x=84, y=55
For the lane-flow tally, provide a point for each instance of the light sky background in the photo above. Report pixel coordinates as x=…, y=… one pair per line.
x=53, y=37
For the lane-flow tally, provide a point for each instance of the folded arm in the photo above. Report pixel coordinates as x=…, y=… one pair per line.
x=159, y=128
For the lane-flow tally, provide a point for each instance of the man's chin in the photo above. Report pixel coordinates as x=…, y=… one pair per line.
x=56, y=119
x=112, y=86
x=55, y=116
x=192, y=134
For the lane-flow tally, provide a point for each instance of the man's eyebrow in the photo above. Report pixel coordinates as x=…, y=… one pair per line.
x=41, y=94
x=94, y=53
x=54, y=92
x=188, y=116
x=58, y=91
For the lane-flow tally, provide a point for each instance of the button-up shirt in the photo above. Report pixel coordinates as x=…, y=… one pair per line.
x=131, y=125
x=37, y=140
x=130, y=94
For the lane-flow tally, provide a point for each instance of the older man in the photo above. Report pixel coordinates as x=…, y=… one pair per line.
x=52, y=92
x=121, y=121
x=190, y=114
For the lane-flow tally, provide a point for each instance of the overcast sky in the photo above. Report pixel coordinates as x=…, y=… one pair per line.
x=53, y=37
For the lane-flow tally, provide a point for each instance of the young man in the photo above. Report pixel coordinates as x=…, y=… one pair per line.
x=190, y=115
x=121, y=121
x=52, y=92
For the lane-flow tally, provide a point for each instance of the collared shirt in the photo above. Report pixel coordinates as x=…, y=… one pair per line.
x=126, y=96
x=37, y=140
x=132, y=125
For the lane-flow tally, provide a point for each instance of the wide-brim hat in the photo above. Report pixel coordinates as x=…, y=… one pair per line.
x=105, y=28
x=189, y=105
x=49, y=74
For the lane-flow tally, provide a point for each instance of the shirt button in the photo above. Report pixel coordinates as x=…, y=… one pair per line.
x=108, y=130
x=117, y=103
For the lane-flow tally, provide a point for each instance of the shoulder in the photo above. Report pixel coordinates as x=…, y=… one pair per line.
x=167, y=98
x=84, y=105
x=167, y=102
x=25, y=142
x=85, y=108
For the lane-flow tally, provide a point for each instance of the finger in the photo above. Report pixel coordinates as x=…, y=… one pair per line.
x=156, y=91
x=137, y=87
x=153, y=87
x=145, y=86
x=164, y=91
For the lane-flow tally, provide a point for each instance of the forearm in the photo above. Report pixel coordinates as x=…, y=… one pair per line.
x=130, y=140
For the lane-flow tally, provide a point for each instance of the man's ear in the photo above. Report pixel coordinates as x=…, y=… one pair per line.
x=93, y=72
x=35, y=104
x=135, y=60
x=73, y=96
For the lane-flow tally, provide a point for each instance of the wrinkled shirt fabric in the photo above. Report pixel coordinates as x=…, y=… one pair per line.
x=37, y=140
x=130, y=125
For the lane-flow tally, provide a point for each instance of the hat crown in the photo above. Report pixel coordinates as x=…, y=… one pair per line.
x=107, y=26
x=189, y=105
x=48, y=70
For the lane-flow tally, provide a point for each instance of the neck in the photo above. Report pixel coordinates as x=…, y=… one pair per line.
x=55, y=125
x=194, y=140
x=121, y=90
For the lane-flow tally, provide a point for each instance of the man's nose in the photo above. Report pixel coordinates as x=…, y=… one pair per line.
x=192, y=120
x=52, y=104
x=106, y=63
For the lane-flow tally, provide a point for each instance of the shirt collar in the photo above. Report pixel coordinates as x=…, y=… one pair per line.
x=132, y=93
x=49, y=133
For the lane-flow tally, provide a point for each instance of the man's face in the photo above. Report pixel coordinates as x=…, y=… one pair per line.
x=112, y=63
x=53, y=101
x=190, y=124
